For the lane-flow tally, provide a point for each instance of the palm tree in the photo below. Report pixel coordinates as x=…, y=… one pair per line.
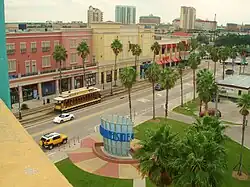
x=168, y=78
x=215, y=58
x=194, y=61
x=233, y=55
x=127, y=77
x=223, y=55
x=181, y=67
x=136, y=52
x=206, y=86
x=117, y=48
x=83, y=51
x=201, y=160
x=155, y=155
x=202, y=52
x=60, y=55
x=153, y=74
x=156, y=49
x=194, y=44
x=244, y=103
x=241, y=51
x=181, y=48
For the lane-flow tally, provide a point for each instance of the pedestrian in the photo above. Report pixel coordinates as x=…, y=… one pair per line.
x=43, y=101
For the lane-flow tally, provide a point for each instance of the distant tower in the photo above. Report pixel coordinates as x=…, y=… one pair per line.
x=187, y=18
x=94, y=15
x=4, y=77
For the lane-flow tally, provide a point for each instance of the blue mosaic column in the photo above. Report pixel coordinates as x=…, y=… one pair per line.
x=4, y=76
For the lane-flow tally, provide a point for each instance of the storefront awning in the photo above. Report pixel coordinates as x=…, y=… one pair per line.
x=160, y=62
x=169, y=61
x=175, y=59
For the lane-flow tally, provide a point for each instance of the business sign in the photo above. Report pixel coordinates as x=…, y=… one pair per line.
x=116, y=136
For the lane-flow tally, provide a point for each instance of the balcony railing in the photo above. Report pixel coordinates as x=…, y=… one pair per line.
x=91, y=65
x=45, y=49
x=13, y=76
x=29, y=74
x=66, y=68
x=33, y=50
x=23, y=50
x=48, y=71
x=11, y=51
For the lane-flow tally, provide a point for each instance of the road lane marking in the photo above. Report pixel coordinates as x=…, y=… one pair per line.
x=73, y=121
x=143, y=100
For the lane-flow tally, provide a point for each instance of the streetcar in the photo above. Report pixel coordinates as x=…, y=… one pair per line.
x=77, y=98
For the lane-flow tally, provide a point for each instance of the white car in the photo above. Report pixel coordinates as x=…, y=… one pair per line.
x=63, y=118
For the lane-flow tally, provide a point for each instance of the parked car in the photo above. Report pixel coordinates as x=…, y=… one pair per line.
x=158, y=87
x=50, y=140
x=63, y=118
x=229, y=72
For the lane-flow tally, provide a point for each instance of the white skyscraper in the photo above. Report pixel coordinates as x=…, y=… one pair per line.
x=125, y=14
x=187, y=18
x=94, y=15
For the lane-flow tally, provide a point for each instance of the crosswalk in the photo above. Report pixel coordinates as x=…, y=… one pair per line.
x=143, y=100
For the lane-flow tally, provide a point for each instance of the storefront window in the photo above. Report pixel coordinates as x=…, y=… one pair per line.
x=30, y=92
x=48, y=88
x=78, y=82
x=14, y=95
x=65, y=85
x=91, y=79
x=109, y=76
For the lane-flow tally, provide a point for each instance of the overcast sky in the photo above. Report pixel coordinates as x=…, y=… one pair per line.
x=233, y=11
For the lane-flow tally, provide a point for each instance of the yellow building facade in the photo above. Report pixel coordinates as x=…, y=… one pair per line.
x=105, y=33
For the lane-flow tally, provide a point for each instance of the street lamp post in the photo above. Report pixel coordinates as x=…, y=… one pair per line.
x=19, y=103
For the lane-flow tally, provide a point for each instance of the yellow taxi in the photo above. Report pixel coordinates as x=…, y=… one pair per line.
x=50, y=140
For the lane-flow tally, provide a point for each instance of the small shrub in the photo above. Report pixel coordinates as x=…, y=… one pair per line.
x=24, y=106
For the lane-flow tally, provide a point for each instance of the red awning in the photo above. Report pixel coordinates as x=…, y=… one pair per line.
x=168, y=46
x=175, y=59
x=169, y=61
x=159, y=62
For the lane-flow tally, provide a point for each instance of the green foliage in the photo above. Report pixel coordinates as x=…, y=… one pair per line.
x=168, y=78
x=83, y=50
x=194, y=61
x=194, y=44
x=232, y=40
x=223, y=53
x=214, y=54
x=202, y=51
x=60, y=53
x=135, y=49
x=202, y=38
x=156, y=154
x=244, y=103
x=153, y=73
x=233, y=52
x=116, y=46
x=181, y=46
x=155, y=48
x=128, y=77
x=206, y=85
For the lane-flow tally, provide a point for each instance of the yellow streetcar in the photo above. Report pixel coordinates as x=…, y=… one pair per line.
x=77, y=98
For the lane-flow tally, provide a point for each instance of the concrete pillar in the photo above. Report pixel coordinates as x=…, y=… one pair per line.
x=4, y=77
x=72, y=83
x=105, y=77
x=39, y=87
x=69, y=84
x=118, y=74
x=20, y=92
x=138, y=73
x=100, y=77
x=113, y=75
x=57, y=86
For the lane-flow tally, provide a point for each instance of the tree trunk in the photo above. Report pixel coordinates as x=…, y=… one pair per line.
x=181, y=88
x=114, y=73
x=206, y=108
x=240, y=69
x=194, y=84
x=154, y=57
x=214, y=69
x=83, y=69
x=200, y=105
x=166, y=105
x=242, y=145
x=223, y=69
x=135, y=67
x=60, y=72
x=129, y=102
x=193, y=184
x=153, y=87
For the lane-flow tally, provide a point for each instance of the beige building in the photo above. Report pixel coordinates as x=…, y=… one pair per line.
x=187, y=18
x=199, y=24
x=94, y=15
x=103, y=36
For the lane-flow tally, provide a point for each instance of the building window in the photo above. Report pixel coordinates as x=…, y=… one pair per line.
x=73, y=58
x=23, y=47
x=46, y=61
x=73, y=43
x=45, y=46
x=27, y=67
x=10, y=49
x=33, y=47
x=93, y=59
x=12, y=65
x=33, y=67
x=56, y=43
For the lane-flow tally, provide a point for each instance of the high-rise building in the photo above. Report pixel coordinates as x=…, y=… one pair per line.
x=94, y=15
x=187, y=18
x=125, y=14
x=150, y=19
